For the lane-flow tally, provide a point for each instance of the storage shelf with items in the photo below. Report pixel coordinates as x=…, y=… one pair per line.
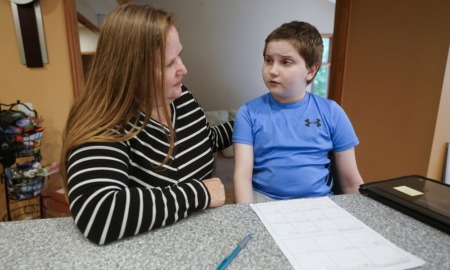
x=23, y=176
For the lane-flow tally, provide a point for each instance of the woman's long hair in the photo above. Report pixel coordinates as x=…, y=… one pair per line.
x=126, y=77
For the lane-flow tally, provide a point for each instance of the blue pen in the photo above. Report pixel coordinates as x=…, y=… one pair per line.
x=235, y=252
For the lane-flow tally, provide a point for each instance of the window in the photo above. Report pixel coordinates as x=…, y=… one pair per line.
x=320, y=84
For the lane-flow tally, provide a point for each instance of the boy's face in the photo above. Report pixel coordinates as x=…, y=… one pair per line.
x=284, y=72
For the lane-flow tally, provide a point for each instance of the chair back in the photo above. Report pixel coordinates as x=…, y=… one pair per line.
x=333, y=178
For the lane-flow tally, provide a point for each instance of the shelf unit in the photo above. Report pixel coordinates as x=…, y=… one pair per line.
x=20, y=138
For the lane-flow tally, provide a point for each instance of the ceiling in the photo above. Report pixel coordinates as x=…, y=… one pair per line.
x=102, y=7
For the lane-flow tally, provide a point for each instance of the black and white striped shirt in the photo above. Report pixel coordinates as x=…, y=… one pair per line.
x=118, y=190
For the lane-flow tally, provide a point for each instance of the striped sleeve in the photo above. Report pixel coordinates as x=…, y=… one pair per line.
x=106, y=205
x=221, y=136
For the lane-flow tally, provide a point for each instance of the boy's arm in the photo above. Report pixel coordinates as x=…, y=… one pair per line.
x=347, y=170
x=243, y=171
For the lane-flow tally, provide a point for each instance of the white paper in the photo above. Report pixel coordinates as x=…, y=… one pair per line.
x=318, y=234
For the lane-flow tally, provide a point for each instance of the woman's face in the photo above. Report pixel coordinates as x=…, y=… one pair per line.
x=174, y=69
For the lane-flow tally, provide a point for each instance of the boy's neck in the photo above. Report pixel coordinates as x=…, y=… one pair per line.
x=290, y=99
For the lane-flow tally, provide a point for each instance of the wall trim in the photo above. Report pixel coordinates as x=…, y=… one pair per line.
x=338, y=50
x=76, y=68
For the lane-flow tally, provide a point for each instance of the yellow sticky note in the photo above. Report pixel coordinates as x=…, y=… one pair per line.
x=408, y=191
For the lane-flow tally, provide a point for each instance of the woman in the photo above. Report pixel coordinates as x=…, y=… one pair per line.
x=137, y=150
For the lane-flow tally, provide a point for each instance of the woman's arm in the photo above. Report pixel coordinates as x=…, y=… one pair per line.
x=108, y=203
x=347, y=170
x=221, y=136
x=243, y=171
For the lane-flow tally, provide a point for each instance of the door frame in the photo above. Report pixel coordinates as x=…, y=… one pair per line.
x=339, y=49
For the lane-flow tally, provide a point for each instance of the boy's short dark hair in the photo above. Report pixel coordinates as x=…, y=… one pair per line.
x=304, y=37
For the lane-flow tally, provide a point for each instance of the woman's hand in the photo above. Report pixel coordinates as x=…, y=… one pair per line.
x=216, y=191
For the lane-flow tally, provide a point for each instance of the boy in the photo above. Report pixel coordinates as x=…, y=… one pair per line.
x=282, y=139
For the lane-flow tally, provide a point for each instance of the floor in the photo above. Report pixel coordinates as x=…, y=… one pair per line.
x=224, y=170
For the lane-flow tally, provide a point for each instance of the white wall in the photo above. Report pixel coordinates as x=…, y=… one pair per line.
x=88, y=40
x=223, y=42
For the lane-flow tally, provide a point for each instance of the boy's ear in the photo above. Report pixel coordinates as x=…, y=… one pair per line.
x=312, y=71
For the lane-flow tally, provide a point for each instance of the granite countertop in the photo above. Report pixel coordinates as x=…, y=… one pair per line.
x=200, y=241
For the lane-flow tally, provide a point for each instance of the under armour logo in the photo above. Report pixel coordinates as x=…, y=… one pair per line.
x=308, y=122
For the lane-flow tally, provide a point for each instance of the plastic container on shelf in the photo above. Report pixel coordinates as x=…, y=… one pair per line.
x=26, y=144
x=23, y=129
x=23, y=184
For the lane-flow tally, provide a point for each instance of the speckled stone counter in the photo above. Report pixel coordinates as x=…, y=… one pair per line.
x=200, y=241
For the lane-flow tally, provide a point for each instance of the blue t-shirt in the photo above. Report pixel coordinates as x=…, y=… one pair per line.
x=291, y=143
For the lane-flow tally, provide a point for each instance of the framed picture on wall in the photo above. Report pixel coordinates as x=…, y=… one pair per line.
x=447, y=165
